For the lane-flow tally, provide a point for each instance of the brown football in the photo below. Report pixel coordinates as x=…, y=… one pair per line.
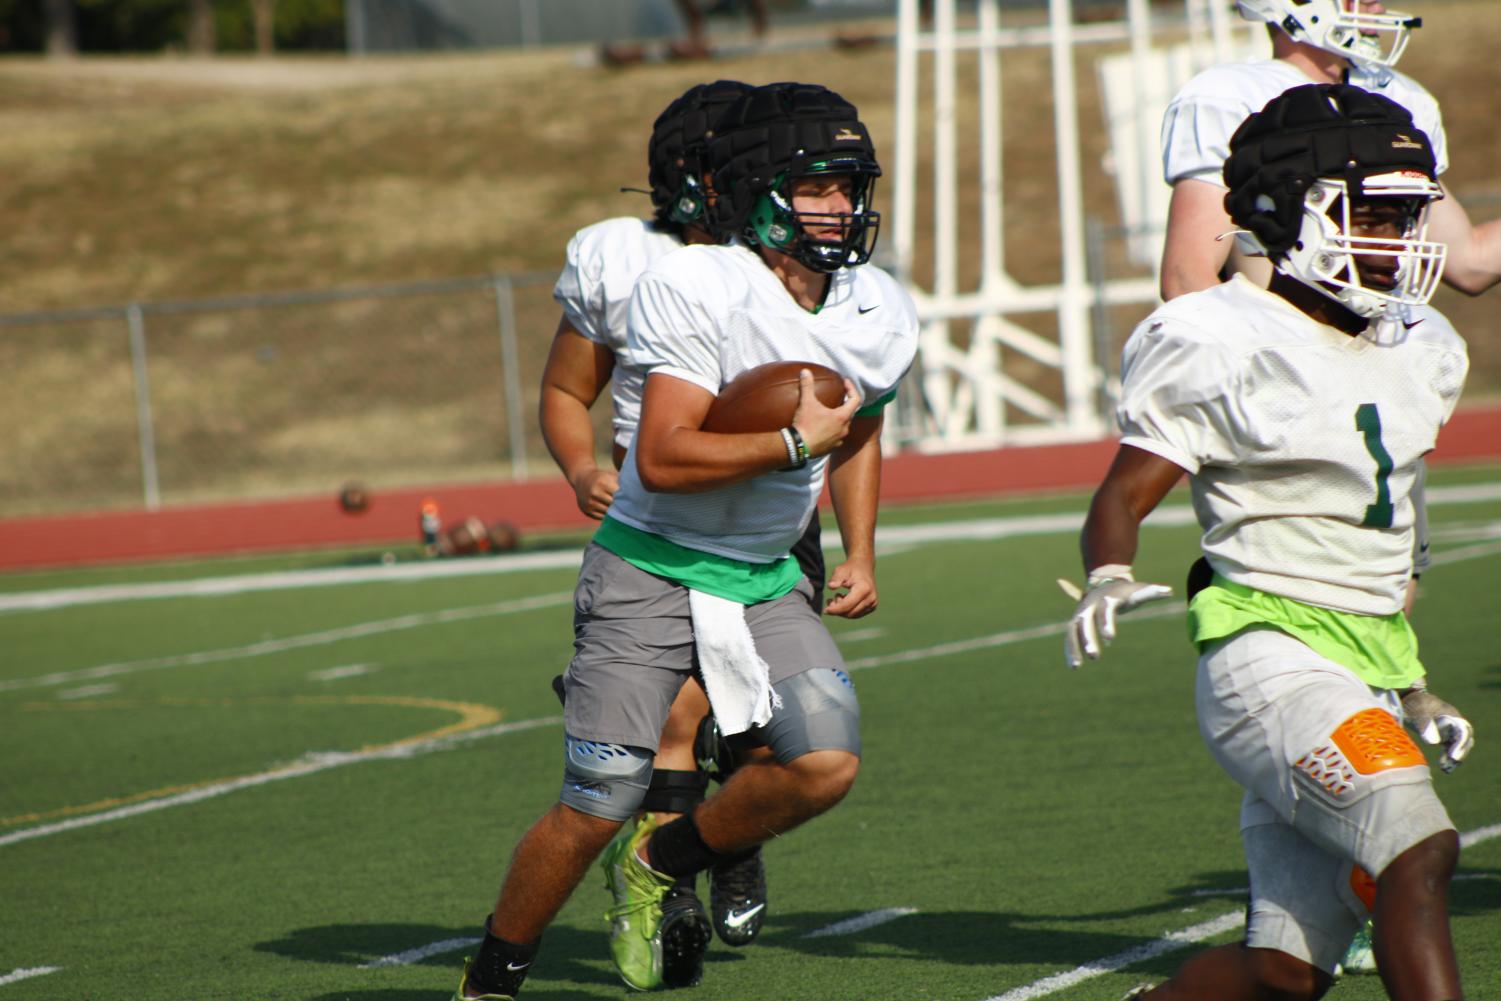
x=764, y=398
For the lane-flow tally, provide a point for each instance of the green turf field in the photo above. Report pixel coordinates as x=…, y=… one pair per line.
x=306, y=786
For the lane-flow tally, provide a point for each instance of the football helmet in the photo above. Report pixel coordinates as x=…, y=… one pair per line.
x=674, y=154
x=1298, y=168
x=769, y=139
x=1338, y=26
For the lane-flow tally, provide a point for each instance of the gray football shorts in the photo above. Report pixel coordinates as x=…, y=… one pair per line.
x=1335, y=788
x=633, y=649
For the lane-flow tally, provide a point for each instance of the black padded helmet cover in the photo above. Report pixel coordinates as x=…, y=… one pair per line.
x=675, y=152
x=1306, y=133
x=782, y=129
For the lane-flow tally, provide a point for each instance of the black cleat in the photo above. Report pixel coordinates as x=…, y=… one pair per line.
x=737, y=892
x=685, y=937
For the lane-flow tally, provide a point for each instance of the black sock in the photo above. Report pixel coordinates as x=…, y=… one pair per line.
x=677, y=849
x=500, y=966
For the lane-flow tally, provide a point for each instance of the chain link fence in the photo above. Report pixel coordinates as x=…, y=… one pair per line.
x=273, y=395
x=257, y=396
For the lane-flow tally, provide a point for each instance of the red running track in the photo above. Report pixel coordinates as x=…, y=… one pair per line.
x=299, y=523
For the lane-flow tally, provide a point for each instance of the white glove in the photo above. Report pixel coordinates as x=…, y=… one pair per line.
x=1110, y=590
x=1437, y=722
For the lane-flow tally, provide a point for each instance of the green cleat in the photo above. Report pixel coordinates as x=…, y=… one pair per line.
x=1360, y=958
x=462, y=993
x=636, y=917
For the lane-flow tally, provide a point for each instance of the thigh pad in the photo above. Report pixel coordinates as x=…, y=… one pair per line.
x=605, y=780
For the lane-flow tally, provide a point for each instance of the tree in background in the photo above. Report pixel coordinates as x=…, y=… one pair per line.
x=62, y=31
x=200, y=26
x=202, y=34
x=264, y=13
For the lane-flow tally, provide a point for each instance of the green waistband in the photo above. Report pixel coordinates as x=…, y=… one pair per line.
x=1380, y=649
x=737, y=580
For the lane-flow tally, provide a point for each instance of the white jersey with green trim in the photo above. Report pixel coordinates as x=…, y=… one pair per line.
x=1302, y=442
x=705, y=314
x=1198, y=124
x=594, y=289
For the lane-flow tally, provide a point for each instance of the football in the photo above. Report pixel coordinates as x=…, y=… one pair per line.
x=764, y=398
x=354, y=498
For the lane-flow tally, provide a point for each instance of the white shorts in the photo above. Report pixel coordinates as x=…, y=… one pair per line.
x=1332, y=782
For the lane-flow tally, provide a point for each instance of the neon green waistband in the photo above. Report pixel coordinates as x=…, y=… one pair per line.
x=1381, y=649
x=747, y=583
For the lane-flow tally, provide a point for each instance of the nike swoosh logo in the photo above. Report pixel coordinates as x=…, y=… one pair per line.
x=737, y=918
x=866, y=309
x=1409, y=326
x=513, y=967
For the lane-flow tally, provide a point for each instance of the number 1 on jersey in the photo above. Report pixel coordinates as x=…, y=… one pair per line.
x=1368, y=423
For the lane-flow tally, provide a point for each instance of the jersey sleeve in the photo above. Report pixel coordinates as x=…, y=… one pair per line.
x=671, y=331
x=580, y=291
x=1196, y=131
x=1177, y=394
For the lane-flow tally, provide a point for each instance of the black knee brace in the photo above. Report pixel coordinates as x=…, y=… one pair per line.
x=674, y=791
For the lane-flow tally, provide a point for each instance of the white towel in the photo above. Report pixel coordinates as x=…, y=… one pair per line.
x=736, y=678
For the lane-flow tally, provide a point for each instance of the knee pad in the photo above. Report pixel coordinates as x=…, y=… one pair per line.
x=675, y=791
x=819, y=713
x=605, y=780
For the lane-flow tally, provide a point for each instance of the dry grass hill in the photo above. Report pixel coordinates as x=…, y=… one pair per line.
x=154, y=179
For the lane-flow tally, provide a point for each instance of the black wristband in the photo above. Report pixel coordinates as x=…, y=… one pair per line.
x=801, y=446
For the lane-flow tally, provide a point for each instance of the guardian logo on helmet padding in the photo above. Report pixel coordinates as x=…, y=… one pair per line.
x=1296, y=170
x=768, y=140
x=676, y=150
x=1339, y=26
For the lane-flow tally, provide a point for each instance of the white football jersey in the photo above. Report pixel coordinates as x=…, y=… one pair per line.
x=1198, y=124
x=705, y=314
x=1301, y=441
x=594, y=290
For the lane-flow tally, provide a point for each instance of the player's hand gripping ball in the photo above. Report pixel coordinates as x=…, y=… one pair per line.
x=764, y=398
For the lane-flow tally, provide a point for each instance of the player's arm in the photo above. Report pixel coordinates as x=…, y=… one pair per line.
x=576, y=373
x=673, y=454
x=1474, y=261
x=1192, y=253
x=854, y=486
x=1135, y=484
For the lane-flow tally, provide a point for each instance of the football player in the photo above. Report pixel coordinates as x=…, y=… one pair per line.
x=588, y=352
x=1323, y=41
x=1317, y=41
x=689, y=569
x=1300, y=413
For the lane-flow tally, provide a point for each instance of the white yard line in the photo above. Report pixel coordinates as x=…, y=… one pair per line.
x=861, y=922
x=1171, y=941
x=1136, y=954
x=419, y=954
x=972, y=530
x=359, y=630
x=15, y=976
x=309, y=764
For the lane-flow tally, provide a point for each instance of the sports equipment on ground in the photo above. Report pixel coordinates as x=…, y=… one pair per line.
x=771, y=137
x=1338, y=26
x=460, y=995
x=737, y=894
x=1296, y=167
x=1437, y=722
x=354, y=498
x=764, y=398
x=674, y=154
x=1110, y=591
x=685, y=937
x=636, y=916
x=1360, y=957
